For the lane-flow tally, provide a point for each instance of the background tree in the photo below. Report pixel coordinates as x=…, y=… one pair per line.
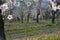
x=53, y=11
x=38, y=10
x=22, y=7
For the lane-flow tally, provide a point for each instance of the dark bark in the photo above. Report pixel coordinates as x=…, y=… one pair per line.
x=37, y=20
x=53, y=15
x=1, y=2
x=22, y=17
x=28, y=17
x=2, y=33
x=58, y=2
x=38, y=13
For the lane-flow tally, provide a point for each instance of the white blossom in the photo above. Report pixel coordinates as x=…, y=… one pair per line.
x=10, y=17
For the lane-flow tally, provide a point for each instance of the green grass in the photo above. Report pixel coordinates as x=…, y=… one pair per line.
x=50, y=37
x=41, y=37
x=24, y=30
x=32, y=28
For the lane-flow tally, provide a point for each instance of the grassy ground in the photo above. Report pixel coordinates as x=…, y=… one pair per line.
x=50, y=37
x=44, y=30
x=53, y=36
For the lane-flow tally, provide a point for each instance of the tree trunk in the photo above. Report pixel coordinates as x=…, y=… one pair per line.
x=2, y=34
x=58, y=2
x=28, y=17
x=38, y=13
x=53, y=15
x=1, y=2
x=22, y=17
x=37, y=20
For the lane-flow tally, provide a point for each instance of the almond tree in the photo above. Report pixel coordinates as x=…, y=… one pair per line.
x=54, y=5
x=22, y=7
x=38, y=10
